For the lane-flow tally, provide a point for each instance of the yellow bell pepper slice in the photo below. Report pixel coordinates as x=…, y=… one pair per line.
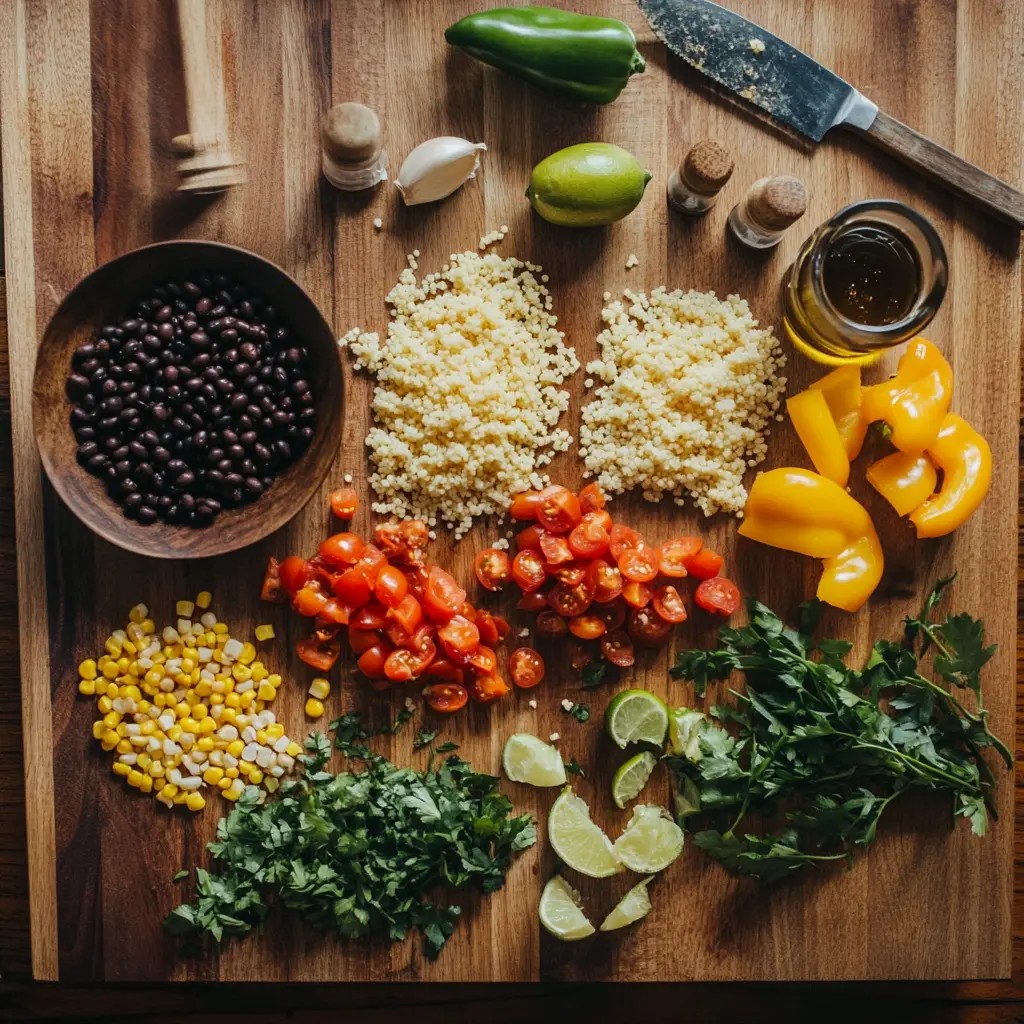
x=801, y=511
x=812, y=420
x=842, y=391
x=915, y=402
x=965, y=459
x=904, y=479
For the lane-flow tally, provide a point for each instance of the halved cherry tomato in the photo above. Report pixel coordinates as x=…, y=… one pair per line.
x=342, y=549
x=493, y=568
x=352, y=588
x=321, y=654
x=525, y=505
x=669, y=605
x=336, y=612
x=488, y=628
x=570, y=601
x=605, y=580
x=344, y=502
x=558, y=509
x=403, y=664
x=443, y=597
x=416, y=576
x=555, y=549
x=501, y=625
x=408, y=614
x=613, y=615
x=388, y=537
x=484, y=660
x=445, y=697
x=572, y=575
x=550, y=625
x=526, y=666
x=589, y=539
x=529, y=538
x=675, y=553
x=618, y=648
x=309, y=600
x=639, y=565
x=718, y=595
x=370, y=616
x=371, y=661
x=391, y=586
x=371, y=561
x=459, y=637
x=532, y=601
x=324, y=630
x=361, y=640
x=416, y=533
x=705, y=564
x=528, y=569
x=444, y=668
x=637, y=594
x=592, y=498
x=647, y=628
x=587, y=627
x=421, y=638
x=273, y=589
x=467, y=611
x=485, y=689
x=622, y=539
x=293, y=574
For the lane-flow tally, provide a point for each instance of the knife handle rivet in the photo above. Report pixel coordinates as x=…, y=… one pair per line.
x=770, y=206
x=702, y=173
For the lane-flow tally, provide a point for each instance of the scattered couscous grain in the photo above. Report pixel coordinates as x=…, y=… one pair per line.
x=633, y=261
x=757, y=45
x=467, y=400
x=691, y=384
x=377, y=223
x=493, y=237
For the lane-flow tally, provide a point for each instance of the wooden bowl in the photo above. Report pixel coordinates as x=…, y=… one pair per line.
x=97, y=300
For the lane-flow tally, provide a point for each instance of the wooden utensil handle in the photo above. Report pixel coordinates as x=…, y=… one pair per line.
x=946, y=168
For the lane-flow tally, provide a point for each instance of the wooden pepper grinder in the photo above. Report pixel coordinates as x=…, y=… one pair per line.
x=205, y=160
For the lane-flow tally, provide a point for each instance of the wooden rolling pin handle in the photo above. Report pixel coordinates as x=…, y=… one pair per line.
x=949, y=170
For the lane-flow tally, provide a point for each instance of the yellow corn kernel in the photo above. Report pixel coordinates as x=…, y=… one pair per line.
x=169, y=790
x=146, y=785
x=110, y=670
x=220, y=628
x=203, y=688
x=112, y=719
x=160, y=699
x=199, y=711
x=174, y=733
x=265, y=632
x=258, y=706
x=244, y=767
x=235, y=748
x=135, y=778
x=259, y=671
x=131, y=691
x=195, y=801
x=158, y=782
x=293, y=749
x=144, y=706
x=87, y=687
x=189, y=724
x=187, y=664
x=231, y=773
x=192, y=699
x=113, y=647
x=275, y=731
x=274, y=679
x=180, y=797
x=109, y=740
x=148, y=626
x=120, y=769
x=207, y=726
x=181, y=709
x=314, y=708
x=105, y=704
x=128, y=646
x=122, y=664
x=113, y=690
x=213, y=775
x=232, y=700
x=225, y=782
x=124, y=747
x=319, y=688
x=248, y=654
x=87, y=669
x=138, y=613
x=245, y=699
x=197, y=674
x=154, y=675
x=265, y=691
x=229, y=714
x=241, y=673
x=206, y=743
x=255, y=777
x=99, y=728
x=203, y=599
x=261, y=737
x=184, y=609
x=121, y=729
x=231, y=793
x=272, y=784
x=216, y=698
x=143, y=761
x=157, y=769
x=147, y=728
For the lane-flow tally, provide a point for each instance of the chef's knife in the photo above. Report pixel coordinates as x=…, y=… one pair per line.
x=799, y=92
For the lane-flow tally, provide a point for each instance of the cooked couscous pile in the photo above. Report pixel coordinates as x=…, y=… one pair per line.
x=691, y=386
x=467, y=400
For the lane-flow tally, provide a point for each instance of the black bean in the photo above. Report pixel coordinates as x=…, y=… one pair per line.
x=76, y=386
x=146, y=515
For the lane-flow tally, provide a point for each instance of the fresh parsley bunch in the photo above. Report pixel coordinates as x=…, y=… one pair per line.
x=835, y=744
x=356, y=853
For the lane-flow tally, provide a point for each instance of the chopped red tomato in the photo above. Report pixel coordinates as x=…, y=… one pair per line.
x=587, y=627
x=309, y=600
x=371, y=616
x=528, y=569
x=391, y=586
x=501, y=625
x=639, y=565
x=408, y=614
x=623, y=539
x=485, y=689
x=388, y=537
x=371, y=561
x=550, y=625
x=613, y=615
x=484, y=660
x=637, y=594
x=669, y=604
x=529, y=538
x=488, y=627
x=555, y=549
x=647, y=628
x=592, y=499
x=416, y=576
x=445, y=697
x=532, y=601
x=570, y=601
x=618, y=648
x=493, y=567
x=558, y=509
x=675, y=553
x=336, y=612
x=404, y=664
x=526, y=666
x=525, y=505
x=444, y=668
x=443, y=597
x=342, y=549
x=718, y=595
x=293, y=574
x=352, y=588
x=705, y=564
x=321, y=654
x=459, y=637
x=571, y=575
x=605, y=580
x=361, y=640
x=416, y=533
x=344, y=502
x=371, y=661
x=589, y=539
x=273, y=589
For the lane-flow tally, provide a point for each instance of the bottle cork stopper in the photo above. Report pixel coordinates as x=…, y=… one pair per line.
x=706, y=167
x=351, y=133
x=775, y=203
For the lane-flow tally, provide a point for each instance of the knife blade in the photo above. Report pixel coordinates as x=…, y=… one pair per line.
x=796, y=90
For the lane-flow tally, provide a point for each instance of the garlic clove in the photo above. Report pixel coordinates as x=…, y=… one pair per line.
x=436, y=168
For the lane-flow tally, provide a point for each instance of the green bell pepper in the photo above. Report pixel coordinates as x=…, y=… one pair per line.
x=577, y=56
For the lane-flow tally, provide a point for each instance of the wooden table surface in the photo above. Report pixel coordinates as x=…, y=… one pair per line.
x=978, y=1001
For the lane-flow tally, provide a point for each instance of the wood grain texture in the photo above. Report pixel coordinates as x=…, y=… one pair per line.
x=893, y=914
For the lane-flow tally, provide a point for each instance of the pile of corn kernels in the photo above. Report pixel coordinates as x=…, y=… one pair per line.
x=186, y=709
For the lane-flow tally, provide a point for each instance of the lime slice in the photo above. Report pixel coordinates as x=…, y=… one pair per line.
x=632, y=777
x=636, y=716
x=633, y=906
x=650, y=842
x=684, y=732
x=560, y=911
x=530, y=760
x=577, y=840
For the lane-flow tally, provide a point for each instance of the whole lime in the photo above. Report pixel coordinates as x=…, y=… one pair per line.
x=587, y=185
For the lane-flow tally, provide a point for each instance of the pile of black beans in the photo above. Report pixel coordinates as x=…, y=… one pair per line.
x=192, y=402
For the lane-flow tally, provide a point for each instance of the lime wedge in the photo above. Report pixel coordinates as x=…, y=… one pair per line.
x=560, y=911
x=633, y=906
x=651, y=841
x=577, y=840
x=631, y=778
x=636, y=716
x=530, y=760
x=684, y=732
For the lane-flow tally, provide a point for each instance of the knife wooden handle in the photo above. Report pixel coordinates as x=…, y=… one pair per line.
x=946, y=168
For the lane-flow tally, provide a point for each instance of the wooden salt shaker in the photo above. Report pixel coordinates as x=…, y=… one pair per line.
x=205, y=160
x=353, y=157
x=761, y=217
x=694, y=186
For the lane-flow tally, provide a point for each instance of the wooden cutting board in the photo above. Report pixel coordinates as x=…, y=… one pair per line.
x=91, y=95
